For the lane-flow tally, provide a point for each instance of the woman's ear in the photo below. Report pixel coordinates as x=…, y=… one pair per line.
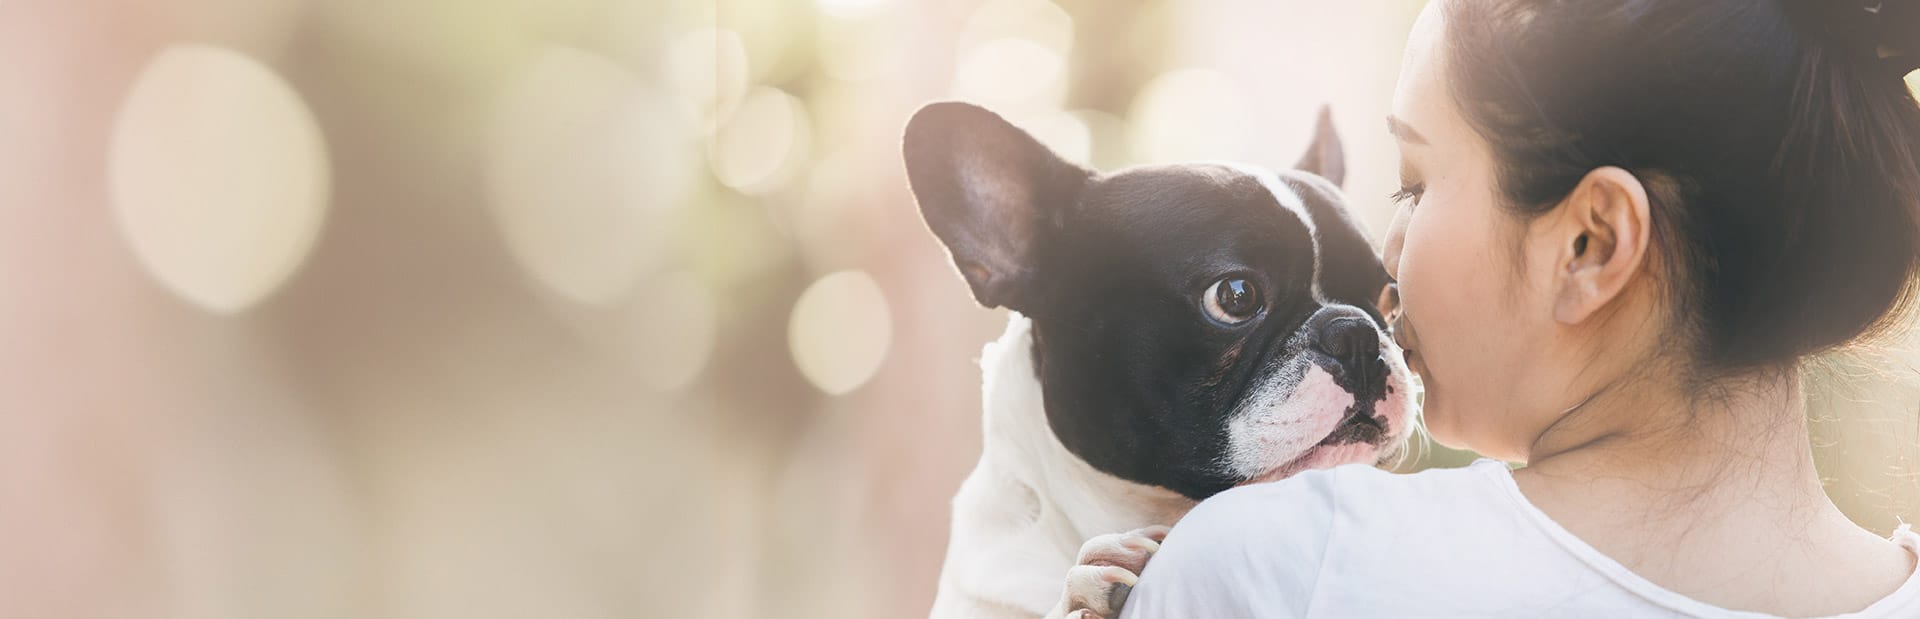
x=1603, y=242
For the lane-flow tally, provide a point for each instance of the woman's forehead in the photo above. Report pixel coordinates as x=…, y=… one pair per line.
x=1420, y=98
x=1423, y=40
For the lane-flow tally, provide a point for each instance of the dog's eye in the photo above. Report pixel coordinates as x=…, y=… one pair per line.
x=1232, y=300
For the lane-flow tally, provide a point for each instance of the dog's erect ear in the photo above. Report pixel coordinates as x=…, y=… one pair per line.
x=988, y=190
x=1324, y=156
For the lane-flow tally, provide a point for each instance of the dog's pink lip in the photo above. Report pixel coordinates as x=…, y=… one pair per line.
x=1285, y=470
x=1403, y=337
x=1320, y=456
x=1307, y=459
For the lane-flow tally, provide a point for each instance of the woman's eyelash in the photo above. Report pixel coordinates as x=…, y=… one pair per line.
x=1410, y=193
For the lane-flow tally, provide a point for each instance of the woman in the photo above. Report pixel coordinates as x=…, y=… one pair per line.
x=1625, y=223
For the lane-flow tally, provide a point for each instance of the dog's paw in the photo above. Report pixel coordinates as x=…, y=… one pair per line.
x=1105, y=572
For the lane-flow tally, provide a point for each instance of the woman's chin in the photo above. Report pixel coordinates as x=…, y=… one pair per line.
x=1434, y=420
x=1440, y=426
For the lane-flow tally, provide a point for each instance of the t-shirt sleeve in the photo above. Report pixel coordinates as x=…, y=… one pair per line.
x=1254, y=551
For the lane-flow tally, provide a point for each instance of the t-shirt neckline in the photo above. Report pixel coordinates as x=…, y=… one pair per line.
x=1907, y=594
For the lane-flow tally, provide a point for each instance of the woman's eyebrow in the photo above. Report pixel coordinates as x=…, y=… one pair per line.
x=1404, y=131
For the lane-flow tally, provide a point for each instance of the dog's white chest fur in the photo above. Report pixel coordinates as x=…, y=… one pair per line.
x=1022, y=514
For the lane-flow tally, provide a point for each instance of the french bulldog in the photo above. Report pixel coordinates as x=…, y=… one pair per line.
x=1175, y=330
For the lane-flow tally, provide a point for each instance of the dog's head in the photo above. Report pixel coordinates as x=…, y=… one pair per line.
x=1196, y=326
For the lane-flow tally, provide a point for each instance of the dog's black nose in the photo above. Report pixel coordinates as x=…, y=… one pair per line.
x=1351, y=340
x=1347, y=335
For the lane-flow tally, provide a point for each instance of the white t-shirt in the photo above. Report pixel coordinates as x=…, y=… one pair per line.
x=1358, y=542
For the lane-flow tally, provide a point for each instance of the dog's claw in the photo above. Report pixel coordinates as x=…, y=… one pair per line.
x=1142, y=544
x=1118, y=596
x=1119, y=576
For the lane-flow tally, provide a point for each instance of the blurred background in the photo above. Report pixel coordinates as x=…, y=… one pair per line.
x=583, y=308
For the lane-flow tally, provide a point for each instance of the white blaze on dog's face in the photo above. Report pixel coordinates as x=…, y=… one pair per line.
x=1308, y=413
x=1195, y=326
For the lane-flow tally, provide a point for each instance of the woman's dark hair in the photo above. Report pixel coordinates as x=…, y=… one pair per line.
x=1776, y=138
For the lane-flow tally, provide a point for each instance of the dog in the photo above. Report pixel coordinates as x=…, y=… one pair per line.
x=1175, y=330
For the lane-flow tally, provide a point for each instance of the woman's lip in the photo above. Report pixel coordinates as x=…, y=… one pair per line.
x=1402, y=331
x=1409, y=343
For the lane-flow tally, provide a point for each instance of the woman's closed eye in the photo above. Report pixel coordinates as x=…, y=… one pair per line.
x=1409, y=194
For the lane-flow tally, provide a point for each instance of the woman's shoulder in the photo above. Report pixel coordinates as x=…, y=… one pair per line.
x=1355, y=508
x=1298, y=516
x=1256, y=550
x=1328, y=490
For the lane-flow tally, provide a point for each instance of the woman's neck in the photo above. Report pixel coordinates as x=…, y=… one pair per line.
x=1710, y=493
x=1747, y=430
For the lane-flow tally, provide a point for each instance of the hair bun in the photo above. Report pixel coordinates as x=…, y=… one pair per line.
x=1896, y=31
x=1887, y=31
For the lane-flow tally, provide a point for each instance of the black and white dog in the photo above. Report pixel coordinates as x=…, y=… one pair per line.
x=1178, y=330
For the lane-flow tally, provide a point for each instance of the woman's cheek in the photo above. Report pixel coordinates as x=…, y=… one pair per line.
x=1433, y=270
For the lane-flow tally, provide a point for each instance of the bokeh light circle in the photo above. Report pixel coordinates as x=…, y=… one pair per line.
x=1190, y=114
x=585, y=165
x=218, y=175
x=864, y=48
x=840, y=331
x=1065, y=133
x=760, y=148
x=1106, y=139
x=1039, y=21
x=707, y=69
x=1011, y=73
x=850, y=8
